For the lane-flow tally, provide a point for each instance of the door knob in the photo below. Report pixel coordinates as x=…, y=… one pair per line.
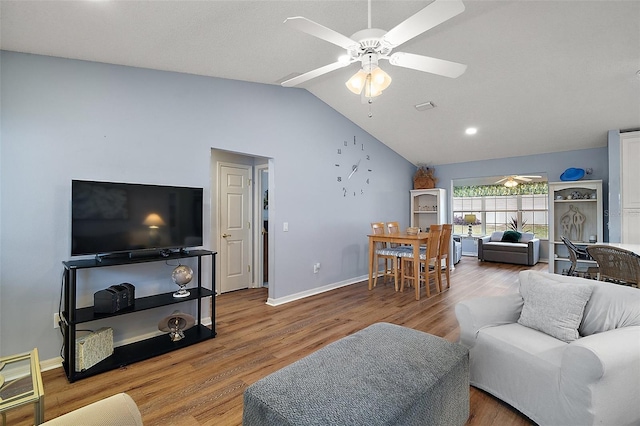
x=226, y=235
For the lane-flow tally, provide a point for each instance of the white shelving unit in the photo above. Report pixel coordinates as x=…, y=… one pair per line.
x=428, y=207
x=575, y=211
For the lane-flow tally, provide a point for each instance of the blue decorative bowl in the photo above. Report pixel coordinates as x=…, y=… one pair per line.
x=572, y=174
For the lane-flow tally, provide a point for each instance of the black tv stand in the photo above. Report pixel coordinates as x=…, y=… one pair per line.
x=74, y=317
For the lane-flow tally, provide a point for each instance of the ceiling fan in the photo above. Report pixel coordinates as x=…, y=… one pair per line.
x=511, y=181
x=370, y=45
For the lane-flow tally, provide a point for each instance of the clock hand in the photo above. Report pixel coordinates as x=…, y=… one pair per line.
x=355, y=169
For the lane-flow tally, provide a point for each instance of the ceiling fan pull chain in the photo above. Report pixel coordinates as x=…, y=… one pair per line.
x=369, y=77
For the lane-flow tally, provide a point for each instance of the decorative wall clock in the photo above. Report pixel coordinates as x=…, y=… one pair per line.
x=354, y=168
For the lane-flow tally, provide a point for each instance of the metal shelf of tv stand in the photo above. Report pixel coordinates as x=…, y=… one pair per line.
x=142, y=349
x=141, y=304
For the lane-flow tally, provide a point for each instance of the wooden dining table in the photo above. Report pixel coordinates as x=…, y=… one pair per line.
x=400, y=238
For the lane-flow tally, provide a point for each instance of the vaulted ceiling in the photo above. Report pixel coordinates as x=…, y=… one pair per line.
x=542, y=76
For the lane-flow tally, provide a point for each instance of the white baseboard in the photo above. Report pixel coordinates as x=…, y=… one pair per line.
x=50, y=364
x=314, y=291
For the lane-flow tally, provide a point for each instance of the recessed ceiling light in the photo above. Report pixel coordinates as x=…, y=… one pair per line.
x=471, y=131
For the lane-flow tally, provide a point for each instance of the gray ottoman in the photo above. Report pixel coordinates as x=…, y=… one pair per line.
x=382, y=375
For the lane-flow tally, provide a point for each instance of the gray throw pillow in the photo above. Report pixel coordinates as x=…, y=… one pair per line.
x=554, y=308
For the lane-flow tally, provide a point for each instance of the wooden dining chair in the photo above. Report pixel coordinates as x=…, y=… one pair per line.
x=388, y=254
x=394, y=228
x=428, y=256
x=616, y=265
x=443, y=253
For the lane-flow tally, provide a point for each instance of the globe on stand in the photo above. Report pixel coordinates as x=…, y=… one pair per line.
x=182, y=276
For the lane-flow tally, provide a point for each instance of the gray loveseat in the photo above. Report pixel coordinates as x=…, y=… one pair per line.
x=526, y=251
x=576, y=362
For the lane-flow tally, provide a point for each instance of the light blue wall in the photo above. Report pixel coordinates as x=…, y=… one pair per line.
x=65, y=119
x=552, y=164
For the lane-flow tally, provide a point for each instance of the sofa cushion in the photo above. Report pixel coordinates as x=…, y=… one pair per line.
x=610, y=306
x=506, y=247
x=553, y=308
x=511, y=236
x=526, y=237
x=496, y=236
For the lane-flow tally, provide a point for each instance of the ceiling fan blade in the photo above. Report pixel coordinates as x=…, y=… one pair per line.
x=427, y=64
x=432, y=15
x=313, y=74
x=522, y=178
x=501, y=180
x=327, y=34
x=528, y=176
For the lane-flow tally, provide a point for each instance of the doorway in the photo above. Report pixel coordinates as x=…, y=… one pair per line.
x=239, y=220
x=262, y=231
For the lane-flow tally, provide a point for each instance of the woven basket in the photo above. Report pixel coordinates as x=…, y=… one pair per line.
x=423, y=183
x=413, y=230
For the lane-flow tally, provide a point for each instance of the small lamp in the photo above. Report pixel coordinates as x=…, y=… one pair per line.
x=154, y=221
x=470, y=219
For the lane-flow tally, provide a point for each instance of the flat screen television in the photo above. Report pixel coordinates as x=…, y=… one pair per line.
x=111, y=217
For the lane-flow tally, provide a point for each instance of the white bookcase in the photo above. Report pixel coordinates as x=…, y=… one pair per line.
x=575, y=211
x=428, y=207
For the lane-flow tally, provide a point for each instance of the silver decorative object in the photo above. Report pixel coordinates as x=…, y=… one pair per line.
x=182, y=275
x=176, y=324
x=572, y=222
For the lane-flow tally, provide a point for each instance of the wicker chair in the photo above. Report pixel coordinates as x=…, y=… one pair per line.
x=576, y=253
x=616, y=265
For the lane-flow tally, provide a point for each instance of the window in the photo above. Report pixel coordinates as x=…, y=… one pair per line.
x=498, y=208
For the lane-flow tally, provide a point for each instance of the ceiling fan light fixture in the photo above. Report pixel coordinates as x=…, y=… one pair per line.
x=373, y=83
x=510, y=183
x=380, y=79
x=357, y=81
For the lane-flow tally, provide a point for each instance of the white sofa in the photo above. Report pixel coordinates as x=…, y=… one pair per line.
x=592, y=380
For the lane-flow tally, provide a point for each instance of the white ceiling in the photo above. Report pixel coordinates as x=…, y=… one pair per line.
x=542, y=76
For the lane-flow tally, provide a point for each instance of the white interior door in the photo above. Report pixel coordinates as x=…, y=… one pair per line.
x=235, y=227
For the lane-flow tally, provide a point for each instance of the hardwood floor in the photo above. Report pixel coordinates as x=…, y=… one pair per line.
x=203, y=384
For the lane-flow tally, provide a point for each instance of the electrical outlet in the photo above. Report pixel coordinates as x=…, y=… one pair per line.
x=56, y=320
x=316, y=268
